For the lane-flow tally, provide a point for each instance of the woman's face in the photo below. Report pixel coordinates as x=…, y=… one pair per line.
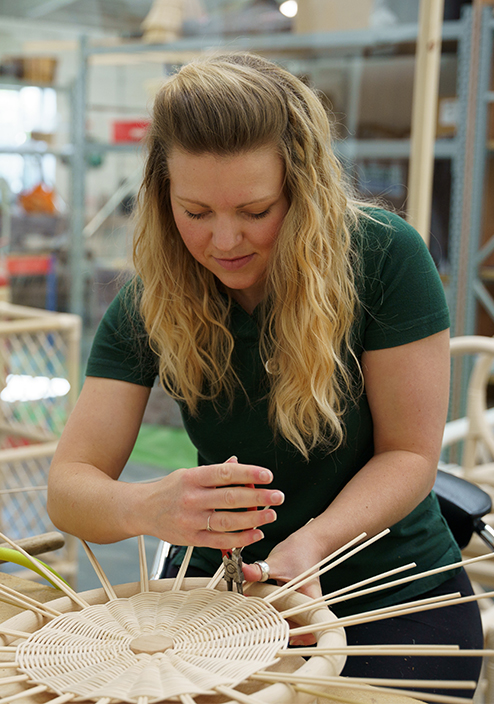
x=228, y=210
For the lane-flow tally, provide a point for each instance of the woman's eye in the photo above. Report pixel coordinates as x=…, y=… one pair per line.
x=194, y=216
x=252, y=216
x=259, y=216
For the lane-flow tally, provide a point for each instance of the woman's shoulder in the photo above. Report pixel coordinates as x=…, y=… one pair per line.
x=383, y=236
x=375, y=222
x=120, y=346
x=124, y=309
x=401, y=295
x=123, y=319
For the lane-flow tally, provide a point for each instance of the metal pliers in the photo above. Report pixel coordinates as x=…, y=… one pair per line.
x=232, y=560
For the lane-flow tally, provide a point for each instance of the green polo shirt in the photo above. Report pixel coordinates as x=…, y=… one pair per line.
x=402, y=300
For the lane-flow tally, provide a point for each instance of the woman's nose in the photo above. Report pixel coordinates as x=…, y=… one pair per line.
x=226, y=234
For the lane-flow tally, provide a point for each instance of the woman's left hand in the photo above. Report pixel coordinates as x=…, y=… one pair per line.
x=288, y=560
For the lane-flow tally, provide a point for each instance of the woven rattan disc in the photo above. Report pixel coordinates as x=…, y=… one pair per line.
x=155, y=645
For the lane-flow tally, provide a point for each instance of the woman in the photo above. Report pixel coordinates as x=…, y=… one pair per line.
x=301, y=332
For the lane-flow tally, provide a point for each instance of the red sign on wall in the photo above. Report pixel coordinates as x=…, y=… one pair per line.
x=129, y=130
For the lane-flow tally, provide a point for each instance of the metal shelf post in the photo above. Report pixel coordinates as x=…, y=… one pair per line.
x=77, y=258
x=469, y=171
x=466, y=288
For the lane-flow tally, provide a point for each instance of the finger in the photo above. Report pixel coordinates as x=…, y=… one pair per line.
x=229, y=521
x=252, y=573
x=230, y=473
x=228, y=541
x=303, y=640
x=234, y=497
x=312, y=589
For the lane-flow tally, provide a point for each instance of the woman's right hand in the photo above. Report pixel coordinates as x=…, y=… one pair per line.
x=86, y=500
x=179, y=506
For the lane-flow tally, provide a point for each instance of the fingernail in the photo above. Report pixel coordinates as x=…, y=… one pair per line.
x=277, y=497
x=259, y=535
x=233, y=458
x=265, y=476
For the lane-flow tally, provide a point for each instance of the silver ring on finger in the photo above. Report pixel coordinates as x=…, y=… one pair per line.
x=208, y=525
x=264, y=570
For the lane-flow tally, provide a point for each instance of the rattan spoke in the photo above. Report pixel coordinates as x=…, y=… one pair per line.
x=177, y=584
x=14, y=678
x=296, y=580
x=62, y=699
x=105, y=582
x=29, y=600
x=12, y=632
x=13, y=597
x=23, y=694
x=217, y=577
x=187, y=699
x=312, y=573
x=51, y=577
x=402, y=693
x=143, y=567
x=328, y=598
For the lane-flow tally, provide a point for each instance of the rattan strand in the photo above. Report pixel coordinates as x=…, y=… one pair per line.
x=218, y=638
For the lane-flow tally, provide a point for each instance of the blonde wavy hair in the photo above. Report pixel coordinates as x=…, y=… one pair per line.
x=227, y=105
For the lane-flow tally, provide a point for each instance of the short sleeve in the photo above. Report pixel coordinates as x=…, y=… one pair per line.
x=120, y=348
x=401, y=293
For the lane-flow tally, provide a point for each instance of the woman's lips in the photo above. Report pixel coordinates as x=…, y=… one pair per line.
x=235, y=263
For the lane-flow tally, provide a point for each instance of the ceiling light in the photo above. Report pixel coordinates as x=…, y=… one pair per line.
x=289, y=8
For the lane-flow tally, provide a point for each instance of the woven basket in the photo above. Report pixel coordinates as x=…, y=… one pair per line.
x=161, y=644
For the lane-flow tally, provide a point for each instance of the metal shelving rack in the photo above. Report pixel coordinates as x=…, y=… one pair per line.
x=39, y=149
x=467, y=255
x=319, y=46
x=466, y=252
x=63, y=151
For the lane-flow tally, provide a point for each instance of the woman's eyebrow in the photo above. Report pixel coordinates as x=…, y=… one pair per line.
x=190, y=200
x=242, y=205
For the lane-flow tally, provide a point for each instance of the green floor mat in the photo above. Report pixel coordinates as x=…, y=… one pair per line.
x=161, y=446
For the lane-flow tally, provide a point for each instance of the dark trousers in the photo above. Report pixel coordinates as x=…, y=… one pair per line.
x=450, y=625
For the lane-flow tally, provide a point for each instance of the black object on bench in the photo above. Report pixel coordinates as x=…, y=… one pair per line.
x=463, y=504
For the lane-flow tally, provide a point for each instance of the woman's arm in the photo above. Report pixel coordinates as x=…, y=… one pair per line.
x=407, y=388
x=85, y=498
